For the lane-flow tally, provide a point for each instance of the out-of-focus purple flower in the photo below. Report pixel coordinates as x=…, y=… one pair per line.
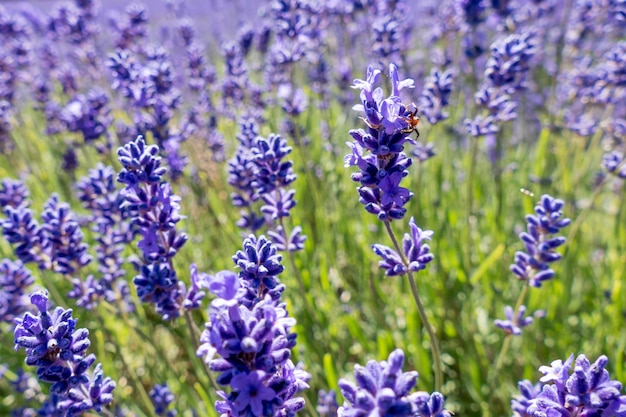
x=22, y=230
x=615, y=163
x=294, y=101
x=259, y=171
x=382, y=389
x=293, y=243
x=88, y=115
x=327, y=404
x=132, y=27
x=587, y=391
x=505, y=75
x=515, y=321
x=416, y=253
x=533, y=264
x=435, y=95
x=13, y=193
x=62, y=239
x=112, y=228
x=14, y=281
x=71, y=23
x=194, y=295
x=58, y=350
x=162, y=397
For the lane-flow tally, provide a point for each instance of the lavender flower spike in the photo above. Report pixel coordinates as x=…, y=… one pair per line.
x=385, y=165
x=155, y=211
x=382, y=389
x=515, y=322
x=416, y=252
x=587, y=391
x=58, y=350
x=532, y=265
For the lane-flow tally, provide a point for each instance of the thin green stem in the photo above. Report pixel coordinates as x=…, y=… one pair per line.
x=470, y=203
x=434, y=342
x=137, y=385
x=507, y=339
x=195, y=337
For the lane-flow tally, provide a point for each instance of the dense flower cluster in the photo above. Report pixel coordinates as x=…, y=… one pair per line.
x=415, y=253
x=587, y=391
x=155, y=211
x=58, y=349
x=532, y=266
x=57, y=244
x=15, y=278
x=505, y=74
x=382, y=389
x=162, y=397
x=382, y=169
x=250, y=330
x=436, y=95
x=260, y=172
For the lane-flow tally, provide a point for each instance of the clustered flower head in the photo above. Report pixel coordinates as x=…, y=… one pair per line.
x=587, y=391
x=384, y=164
x=250, y=329
x=436, y=95
x=161, y=398
x=155, y=211
x=505, y=74
x=416, y=252
x=15, y=278
x=260, y=172
x=58, y=349
x=382, y=389
x=57, y=244
x=532, y=266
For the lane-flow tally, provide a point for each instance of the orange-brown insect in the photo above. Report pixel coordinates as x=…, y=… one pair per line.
x=413, y=120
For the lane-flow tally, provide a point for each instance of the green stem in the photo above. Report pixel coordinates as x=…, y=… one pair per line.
x=434, y=342
x=469, y=204
x=195, y=337
x=507, y=338
x=137, y=386
x=296, y=271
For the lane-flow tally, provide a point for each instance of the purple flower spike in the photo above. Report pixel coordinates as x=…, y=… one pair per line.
x=58, y=350
x=382, y=389
x=388, y=130
x=162, y=397
x=14, y=280
x=587, y=391
x=155, y=212
x=515, y=321
x=248, y=337
x=533, y=264
x=415, y=251
x=13, y=193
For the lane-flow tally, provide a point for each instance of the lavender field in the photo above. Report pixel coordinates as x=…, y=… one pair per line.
x=333, y=208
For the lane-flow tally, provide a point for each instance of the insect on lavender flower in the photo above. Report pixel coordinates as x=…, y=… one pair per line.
x=389, y=124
